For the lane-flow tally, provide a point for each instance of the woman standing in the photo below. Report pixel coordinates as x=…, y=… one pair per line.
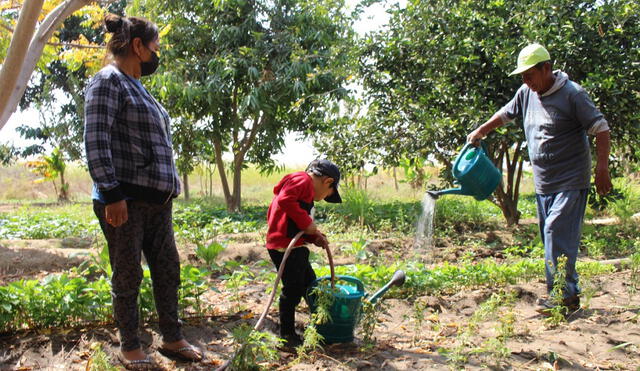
x=130, y=159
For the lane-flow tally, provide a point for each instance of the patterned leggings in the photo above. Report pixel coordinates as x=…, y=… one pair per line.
x=148, y=230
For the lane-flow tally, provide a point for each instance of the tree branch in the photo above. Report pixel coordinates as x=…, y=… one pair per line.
x=6, y=26
x=258, y=123
x=79, y=46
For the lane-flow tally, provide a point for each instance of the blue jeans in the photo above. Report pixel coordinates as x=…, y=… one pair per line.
x=560, y=218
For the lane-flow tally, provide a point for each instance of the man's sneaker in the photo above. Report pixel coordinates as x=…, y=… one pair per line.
x=571, y=304
x=291, y=342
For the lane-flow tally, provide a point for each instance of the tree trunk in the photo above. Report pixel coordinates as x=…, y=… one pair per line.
x=395, y=179
x=64, y=189
x=211, y=171
x=23, y=74
x=237, y=184
x=508, y=192
x=185, y=185
x=217, y=145
x=12, y=65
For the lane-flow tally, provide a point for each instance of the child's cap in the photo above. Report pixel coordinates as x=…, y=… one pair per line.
x=325, y=167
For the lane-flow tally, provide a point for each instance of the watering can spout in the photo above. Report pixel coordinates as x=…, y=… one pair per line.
x=397, y=280
x=451, y=191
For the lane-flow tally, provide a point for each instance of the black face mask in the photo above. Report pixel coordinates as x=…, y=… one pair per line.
x=147, y=68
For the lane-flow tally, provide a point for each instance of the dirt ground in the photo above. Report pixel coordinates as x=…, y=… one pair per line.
x=604, y=335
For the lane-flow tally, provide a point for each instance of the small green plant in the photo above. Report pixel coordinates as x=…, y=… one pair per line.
x=371, y=318
x=358, y=249
x=323, y=299
x=99, y=360
x=634, y=274
x=253, y=348
x=499, y=306
x=50, y=168
x=356, y=206
x=209, y=251
x=556, y=314
x=418, y=314
x=101, y=260
x=193, y=285
x=235, y=281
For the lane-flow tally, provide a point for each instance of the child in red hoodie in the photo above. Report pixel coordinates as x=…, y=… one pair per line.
x=290, y=213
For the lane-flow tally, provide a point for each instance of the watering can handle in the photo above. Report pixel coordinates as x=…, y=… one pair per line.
x=345, y=278
x=482, y=147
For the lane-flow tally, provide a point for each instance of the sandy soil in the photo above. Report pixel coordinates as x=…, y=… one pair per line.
x=37, y=258
x=604, y=335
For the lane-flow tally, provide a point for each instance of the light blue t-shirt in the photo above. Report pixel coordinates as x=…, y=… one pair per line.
x=556, y=125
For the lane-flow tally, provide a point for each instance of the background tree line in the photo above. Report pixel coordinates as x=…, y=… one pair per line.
x=238, y=75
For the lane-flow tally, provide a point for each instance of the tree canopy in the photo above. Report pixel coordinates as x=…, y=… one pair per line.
x=246, y=72
x=440, y=69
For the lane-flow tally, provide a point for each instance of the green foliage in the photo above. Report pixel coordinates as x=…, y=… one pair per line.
x=8, y=154
x=464, y=213
x=58, y=300
x=557, y=314
x=76, y=298
x=355, y=205
x=439, y=69
x=312, y=340
x=370, y=319
x=366, y=214
x=425, y=279
x=418, y=314
x=235, y=281
x=610, y=241
x=209, y=251
x=38, y=223
x=244, y=73
x=193, y=284
x=254, y=347
x=199, y=221
x=358, y=249
x=634, y=279
x=414, y=173
x=99, y=361
x=323, y=300
x=57, y=91
x=499, y=306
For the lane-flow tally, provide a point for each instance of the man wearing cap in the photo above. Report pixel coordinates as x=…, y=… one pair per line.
x=557, y=116
x=289, y=213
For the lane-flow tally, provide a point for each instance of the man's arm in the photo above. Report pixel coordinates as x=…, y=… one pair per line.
x=603, y=147
x=494, y=122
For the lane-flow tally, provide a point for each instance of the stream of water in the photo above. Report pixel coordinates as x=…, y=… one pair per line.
x=424, y=229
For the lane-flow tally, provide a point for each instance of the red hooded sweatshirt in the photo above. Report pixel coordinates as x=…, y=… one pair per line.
x=290, y=210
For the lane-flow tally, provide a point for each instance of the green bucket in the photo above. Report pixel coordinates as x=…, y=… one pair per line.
x=345, y=310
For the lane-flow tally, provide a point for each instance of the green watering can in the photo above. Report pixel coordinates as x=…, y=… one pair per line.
x=346, y=308
x=474, y=172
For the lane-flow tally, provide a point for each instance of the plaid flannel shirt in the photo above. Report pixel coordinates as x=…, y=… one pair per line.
x=128, y=140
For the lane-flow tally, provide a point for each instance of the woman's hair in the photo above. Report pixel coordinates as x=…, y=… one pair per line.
x=125, y=29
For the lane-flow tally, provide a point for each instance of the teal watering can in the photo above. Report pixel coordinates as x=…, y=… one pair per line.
x=346, y=308
x=474, y=172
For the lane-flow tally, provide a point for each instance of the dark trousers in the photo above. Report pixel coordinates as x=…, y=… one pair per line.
x=296, y=279
x=148, y=230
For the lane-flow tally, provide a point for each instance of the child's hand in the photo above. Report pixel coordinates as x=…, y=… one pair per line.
x=321, y=240
x=312, y=229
